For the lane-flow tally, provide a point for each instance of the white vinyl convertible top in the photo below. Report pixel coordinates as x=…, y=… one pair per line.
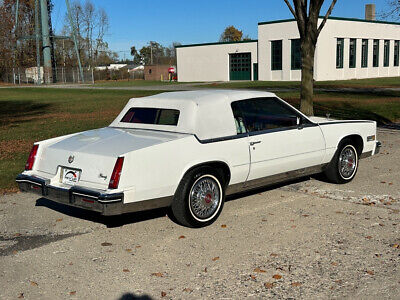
x=205, y=113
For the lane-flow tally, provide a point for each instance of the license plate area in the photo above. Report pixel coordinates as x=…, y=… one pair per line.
x=70, y=176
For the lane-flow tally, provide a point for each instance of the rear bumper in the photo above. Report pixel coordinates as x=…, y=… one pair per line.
x=94, y=200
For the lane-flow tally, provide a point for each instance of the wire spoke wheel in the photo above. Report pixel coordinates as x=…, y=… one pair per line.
x=347, y=162
x=205, y=198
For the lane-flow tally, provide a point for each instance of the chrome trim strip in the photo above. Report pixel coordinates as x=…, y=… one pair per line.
x=109, y=201
x=273, y=179
x=84, y=195
x=26, y=180
x=344, y=122
x=366, y=154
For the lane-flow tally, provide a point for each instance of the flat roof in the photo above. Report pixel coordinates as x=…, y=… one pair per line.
x=216, y=43
x=333, y=18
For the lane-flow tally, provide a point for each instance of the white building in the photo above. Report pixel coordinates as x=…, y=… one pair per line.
x=346, y=49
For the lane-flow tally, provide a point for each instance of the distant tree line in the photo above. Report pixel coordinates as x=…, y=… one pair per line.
x=155, y=53
x=18, y=46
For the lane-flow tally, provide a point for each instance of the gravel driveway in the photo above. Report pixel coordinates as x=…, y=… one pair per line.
x=308, y=239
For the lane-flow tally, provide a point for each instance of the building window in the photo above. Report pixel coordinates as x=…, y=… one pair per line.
x=339, y=53
x=276, y=55
x=352, y=53
x=375, y=54
x=296, y=54
x=364, y=54
x=396, y=53
x=386, y=53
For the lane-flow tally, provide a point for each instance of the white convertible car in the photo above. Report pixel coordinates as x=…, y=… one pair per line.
x=187, y=150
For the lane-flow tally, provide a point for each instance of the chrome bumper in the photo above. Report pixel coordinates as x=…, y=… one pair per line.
x=106, y=204
x=378, y=147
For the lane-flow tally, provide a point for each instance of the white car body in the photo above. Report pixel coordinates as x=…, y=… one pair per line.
x=156, y=157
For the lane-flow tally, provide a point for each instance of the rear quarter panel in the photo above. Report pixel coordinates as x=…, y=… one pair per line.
x=156, y=171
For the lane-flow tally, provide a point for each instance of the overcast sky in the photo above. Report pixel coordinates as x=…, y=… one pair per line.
x=192, y=21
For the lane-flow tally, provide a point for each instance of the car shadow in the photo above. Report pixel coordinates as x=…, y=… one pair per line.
x=109, y=221
x=136, y=217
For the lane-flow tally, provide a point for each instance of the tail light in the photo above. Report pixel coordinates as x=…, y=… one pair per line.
x=31, y=158
x=116, y=174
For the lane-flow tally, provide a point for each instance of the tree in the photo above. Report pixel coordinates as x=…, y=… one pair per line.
x=307, y=15
x=392, y=11
x=231, y=34
x=155, y=53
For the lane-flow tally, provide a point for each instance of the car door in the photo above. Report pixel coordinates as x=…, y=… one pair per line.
x=280, y=138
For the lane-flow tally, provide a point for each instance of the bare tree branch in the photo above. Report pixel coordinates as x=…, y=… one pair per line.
x=328, y=13
x=290, y=8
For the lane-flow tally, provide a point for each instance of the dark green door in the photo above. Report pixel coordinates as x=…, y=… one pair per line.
x=255, y=71
x=240, y=66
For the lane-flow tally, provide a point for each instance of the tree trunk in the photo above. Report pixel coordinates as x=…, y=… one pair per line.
x=307, y=77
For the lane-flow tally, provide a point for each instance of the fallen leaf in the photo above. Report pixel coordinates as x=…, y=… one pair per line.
x=383, y=181
x=158, y=274
x=125, y=270
x=396, y=246
x=72, y=293
x=338, y=212
x=253, y=277
x=334, y=264
x=296, y=284
x=128, y=250
x=223, y=226
x=305, y=216
x=205, y=269
x=370, y=272
x=293, y=226
x=390, y=183
x=163, y=294
x=273, y=255
x=138, y=246
x=215, y=258
x=14, y=252
x=71, y=263
x=17, y=234
x=277, y=276
x=181, y=237
x=59, y=220
x=264, y=220
x=33, y=283
x=258, y=270
x=368, y=237
x=269, y=285
x=21, y=295
x=365, y=200
x=187, y=290
x=106, y=244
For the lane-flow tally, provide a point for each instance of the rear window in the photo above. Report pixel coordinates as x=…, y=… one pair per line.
x=148, y=115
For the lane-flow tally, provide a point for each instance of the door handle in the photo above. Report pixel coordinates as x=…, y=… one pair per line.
x=254, y=143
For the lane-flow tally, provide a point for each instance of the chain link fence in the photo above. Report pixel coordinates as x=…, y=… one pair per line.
x=71, y=75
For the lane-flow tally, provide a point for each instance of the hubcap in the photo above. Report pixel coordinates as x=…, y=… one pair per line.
x=347, y=162
x=204, y=197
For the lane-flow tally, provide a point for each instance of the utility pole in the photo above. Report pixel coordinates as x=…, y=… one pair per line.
x=37, y=34
x=74, y=37
x=46, y=41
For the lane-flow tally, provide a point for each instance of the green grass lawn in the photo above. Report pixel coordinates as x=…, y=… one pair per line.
x=33, y=114
x=129, y=83
x=355, y=83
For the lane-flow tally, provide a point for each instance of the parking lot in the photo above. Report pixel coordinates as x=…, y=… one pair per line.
x=307, y=239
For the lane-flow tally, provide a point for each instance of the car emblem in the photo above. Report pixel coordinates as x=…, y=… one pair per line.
x=71, y=159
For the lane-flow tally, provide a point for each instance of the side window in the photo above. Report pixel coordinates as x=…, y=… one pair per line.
x=261, y=114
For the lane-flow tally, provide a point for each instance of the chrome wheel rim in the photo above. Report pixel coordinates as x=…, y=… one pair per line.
x=347, y=162
x=205, y=198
